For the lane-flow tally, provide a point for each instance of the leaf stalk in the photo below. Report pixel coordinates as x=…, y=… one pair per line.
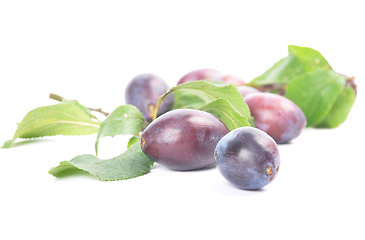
x=159, y=101
x=60, y=99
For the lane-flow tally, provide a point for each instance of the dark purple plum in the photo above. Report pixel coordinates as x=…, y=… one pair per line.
x=183, y=139
x=276, y=115
x=200, y=74
x=245, y=90
x=143, y=92
x=248, y=158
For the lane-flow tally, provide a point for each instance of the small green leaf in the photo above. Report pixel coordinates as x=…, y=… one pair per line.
x=77, y=104
x=223, y=110
x=316, y=93
x=310, y=59
x=132, y=163
x=126, y=119
x=300, y=60
x=208, y=92
x=59, y=119
x=8, y=144
x=65, y=165
x=183, y=99
x=340, y=109
x=133, y=140
x=280, y=73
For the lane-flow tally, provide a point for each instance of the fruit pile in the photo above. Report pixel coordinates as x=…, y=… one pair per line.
x=207, y=118
x=190, y=139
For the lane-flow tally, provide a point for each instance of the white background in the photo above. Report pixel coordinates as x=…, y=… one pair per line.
x=89, y=50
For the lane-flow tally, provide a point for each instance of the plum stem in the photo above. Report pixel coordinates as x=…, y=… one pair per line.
x=60, y=99
x=350, y=81
x=159, y=101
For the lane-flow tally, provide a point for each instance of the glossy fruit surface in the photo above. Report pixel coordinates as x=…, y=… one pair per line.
x=143, y=92
x=183, y=139
x=200, y=74
x=248, y=158
x=231, y=79
x=276, y=115
x=245, y=90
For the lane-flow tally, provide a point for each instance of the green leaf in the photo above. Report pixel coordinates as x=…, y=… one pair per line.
x=77, y=104
x=340, y=109
x=208, y=92
x=8, y=144
x=65, y=165
x=300, y=60
x=310, y=59
x=183, y=99
x=316, y=93
x=132, y=163
x=133, y=140
x=280, y=73
x=59, y=119
x=126, y=119
x=222, y=109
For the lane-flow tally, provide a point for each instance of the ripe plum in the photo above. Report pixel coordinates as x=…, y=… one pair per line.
x=212, y=75
x=248, y=158
x=276, y=115
x=200, y=74
x=183, y=139
x=245, y=90
x=143, y=92
x=231, y=79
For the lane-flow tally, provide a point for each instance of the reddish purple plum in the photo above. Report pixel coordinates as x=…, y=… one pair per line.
x=143, y=92
x=245, y=90
x=200, y=74
x=248, y=158
x=183, y=139
x=231, y=79
x=276, y=115
x=209, y=74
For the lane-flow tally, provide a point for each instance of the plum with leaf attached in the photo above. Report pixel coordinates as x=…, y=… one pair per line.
x=183, y=139
x=143, y=92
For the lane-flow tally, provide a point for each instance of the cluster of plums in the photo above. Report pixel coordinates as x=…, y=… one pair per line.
x=188, y=139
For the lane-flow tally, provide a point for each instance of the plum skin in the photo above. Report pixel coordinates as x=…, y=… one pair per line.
x=143, y=92
x=183, y=139
x=199, y=74
x=248, y=158
x=210, y=74
x=245, y=90
x=276, y=115
x=231, y=79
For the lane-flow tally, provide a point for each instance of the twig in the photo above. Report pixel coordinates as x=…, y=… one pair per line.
x=99, y=110
x=60, y=99
x=350, y=81
x=56, y=97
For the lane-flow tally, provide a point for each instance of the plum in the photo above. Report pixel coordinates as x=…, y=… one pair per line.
x=230, y=79
x=248, y=158
x=200, y=74
x=183, y=139
x=245, y=90
x=276, y=115
x=143, y=92
x=210, y=75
